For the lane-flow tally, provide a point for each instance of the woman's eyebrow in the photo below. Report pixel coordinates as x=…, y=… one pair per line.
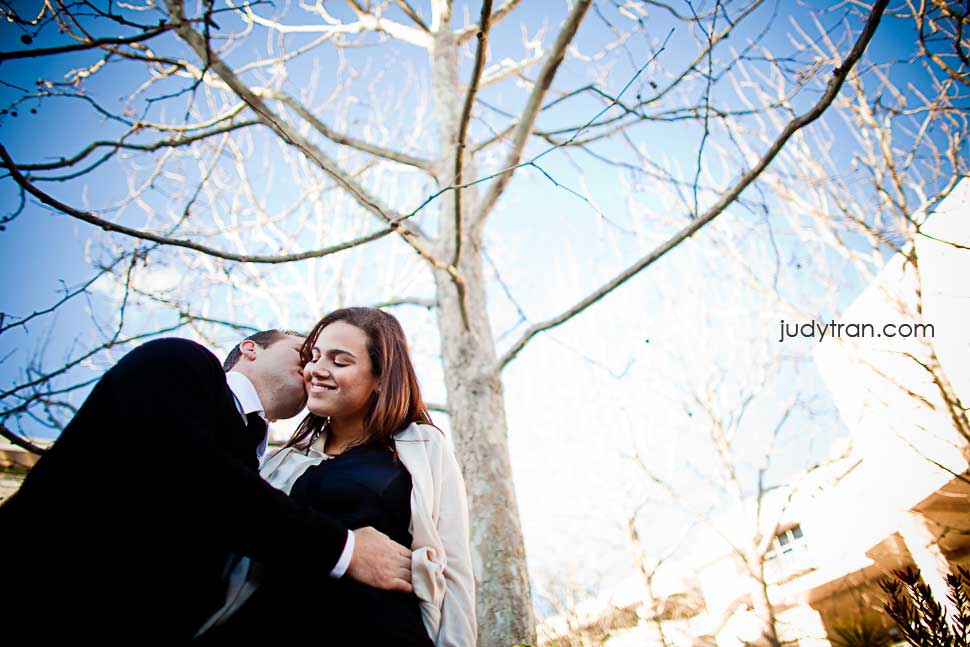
x=333, y=352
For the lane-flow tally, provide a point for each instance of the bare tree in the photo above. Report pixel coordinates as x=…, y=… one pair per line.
x=731, y=487
x=226, y=164
x=887, y=190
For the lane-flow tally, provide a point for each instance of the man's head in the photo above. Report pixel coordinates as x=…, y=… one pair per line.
x=272, y=361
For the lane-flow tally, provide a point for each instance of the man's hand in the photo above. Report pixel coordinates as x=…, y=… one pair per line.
x=380, y=562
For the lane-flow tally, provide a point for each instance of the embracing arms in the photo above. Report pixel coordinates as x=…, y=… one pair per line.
x=171, y=397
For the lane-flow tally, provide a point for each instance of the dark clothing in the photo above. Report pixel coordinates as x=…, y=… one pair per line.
x=364, y=486
x=125, y=525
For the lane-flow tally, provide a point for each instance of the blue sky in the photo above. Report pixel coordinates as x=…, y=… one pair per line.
x=619, y=369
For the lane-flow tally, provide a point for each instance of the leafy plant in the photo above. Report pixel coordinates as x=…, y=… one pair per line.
x=921, y=619
x=862, y=633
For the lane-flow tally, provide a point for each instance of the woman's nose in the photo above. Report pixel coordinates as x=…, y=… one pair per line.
x=316, y=368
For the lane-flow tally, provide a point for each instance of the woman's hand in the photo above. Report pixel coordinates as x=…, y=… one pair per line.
x=380, y=562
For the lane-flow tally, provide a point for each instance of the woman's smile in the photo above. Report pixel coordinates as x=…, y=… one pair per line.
x=339, y=378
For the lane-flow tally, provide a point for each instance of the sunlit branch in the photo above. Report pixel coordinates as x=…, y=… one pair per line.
x=466, y=114
x=175, y=242
x=467, y=33
x=346, y=140
x=365, y=22
x=412, y=14
x=793, y=126
x=533, y=105
x=413, y=237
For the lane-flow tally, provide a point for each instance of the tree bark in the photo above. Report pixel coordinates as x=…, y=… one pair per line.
x=474, y=386
x=480, y=432
x=761, y=601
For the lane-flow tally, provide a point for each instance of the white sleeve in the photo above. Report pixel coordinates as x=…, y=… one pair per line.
x=458, y=627
x=344, y=562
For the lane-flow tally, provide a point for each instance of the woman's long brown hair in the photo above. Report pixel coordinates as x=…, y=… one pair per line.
x=398, y=402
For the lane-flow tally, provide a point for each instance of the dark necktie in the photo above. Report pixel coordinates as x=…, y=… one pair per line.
x=255, y=428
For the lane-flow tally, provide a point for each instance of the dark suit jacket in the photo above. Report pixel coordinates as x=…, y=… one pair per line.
x=122, y=530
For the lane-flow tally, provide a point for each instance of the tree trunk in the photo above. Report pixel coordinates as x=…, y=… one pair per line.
x=474, y=386
x=478, y=423
x=760, y=600
x=656, y=607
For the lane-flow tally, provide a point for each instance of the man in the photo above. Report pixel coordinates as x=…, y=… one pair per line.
x=123, y=530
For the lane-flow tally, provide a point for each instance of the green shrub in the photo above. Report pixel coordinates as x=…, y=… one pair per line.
x=921, y=619
x=861, y=633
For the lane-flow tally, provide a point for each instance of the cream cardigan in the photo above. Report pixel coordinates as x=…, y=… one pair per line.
x=441, y=565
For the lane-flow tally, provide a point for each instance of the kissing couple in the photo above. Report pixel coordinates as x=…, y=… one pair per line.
x=150, y=519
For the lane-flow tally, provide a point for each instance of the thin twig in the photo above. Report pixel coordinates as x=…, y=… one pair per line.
x=20, y=441
x=531, y=111
x=834, y=86
x=99, y=42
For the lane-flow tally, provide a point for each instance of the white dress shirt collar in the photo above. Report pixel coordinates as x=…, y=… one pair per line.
x=247, y=399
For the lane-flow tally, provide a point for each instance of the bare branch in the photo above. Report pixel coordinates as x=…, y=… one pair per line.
x=187, y=244
x=411, y=301
x=121, y=144
x=421, y=38
x=68, y=295
x=531, y=110
x=411, y=236
x=201, y=47
x=413, y=15
x=91, y=44
x=114, y=342
x=835, y=84
x=346, y=140
x=331, y=27
x=659, y=94
x=922, y=233
x=440, y=408
x=466, y=113
x=467, y=33
x=965, y=477
x=20, y=441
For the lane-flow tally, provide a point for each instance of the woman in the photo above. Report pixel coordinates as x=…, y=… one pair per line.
x=368, y=455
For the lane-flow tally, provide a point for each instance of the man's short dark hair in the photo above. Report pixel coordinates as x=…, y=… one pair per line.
x=263, y=339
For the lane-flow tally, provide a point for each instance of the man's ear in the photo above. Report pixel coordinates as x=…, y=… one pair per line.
x=248, y=349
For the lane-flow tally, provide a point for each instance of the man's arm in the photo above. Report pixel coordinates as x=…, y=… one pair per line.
x=170, y=395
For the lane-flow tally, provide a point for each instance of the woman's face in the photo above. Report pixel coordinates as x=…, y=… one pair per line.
x=339, y=378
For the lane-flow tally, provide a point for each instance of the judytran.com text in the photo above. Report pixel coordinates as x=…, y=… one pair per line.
x=816, y=330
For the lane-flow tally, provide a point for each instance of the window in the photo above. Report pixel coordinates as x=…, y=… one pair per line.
x=787, y=555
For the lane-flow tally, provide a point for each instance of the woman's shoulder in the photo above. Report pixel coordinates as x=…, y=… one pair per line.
x=416, y=432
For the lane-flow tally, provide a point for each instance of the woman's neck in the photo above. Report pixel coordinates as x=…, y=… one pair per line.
x=341, y=434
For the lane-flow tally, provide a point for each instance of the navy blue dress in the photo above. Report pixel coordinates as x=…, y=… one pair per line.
x=364, y=486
